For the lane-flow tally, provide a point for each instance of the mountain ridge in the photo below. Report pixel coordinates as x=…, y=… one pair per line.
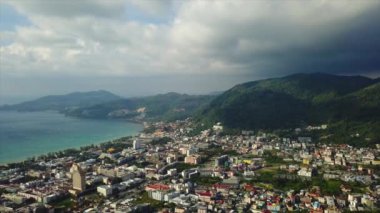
x=61, y=102
x=301, y=92
x=168, y=106
x=297, y=101
x=343, y=102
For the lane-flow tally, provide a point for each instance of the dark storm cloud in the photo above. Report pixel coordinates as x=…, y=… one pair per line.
x=352, y=50
x=279, y=46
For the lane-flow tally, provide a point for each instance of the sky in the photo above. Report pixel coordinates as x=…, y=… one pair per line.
x=145, y=47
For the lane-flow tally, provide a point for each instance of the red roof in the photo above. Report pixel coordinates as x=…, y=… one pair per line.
x=208, y=194
x=157, y=187
x=249, y=187
x=222, y=186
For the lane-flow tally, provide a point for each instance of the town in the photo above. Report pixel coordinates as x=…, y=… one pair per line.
x=172, y=167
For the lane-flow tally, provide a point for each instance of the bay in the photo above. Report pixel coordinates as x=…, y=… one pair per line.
x=27, y=134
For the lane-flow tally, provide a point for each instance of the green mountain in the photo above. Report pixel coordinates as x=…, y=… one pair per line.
x=64, y=102
x=346, y=103
x=170, y=106
x=350, y=105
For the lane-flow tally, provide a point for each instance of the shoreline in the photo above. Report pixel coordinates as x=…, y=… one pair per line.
x=79, y=143
x=61, y=150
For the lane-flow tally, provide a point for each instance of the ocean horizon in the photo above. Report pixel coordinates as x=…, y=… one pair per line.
x=28, y=134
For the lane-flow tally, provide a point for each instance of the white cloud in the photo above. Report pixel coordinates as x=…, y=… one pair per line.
x=154, y=8
x=90, y=37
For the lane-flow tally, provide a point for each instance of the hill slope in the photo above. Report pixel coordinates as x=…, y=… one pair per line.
x=295, y=100
x=63, y=102
x=168, y=106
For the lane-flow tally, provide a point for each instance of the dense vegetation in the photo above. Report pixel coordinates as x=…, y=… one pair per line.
x=103, y=104
x=327, y=187
x=161, y=141
x=349, y=104
x=183, y=166
x=170, y=106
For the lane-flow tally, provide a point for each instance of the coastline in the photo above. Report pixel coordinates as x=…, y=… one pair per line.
x=64, y=133
x=69, y=148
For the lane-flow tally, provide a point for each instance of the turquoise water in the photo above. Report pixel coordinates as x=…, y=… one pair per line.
x=27, y=134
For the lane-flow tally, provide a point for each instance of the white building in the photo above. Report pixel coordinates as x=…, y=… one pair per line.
x=168, y=197
x=137, y=144
x=104, y=190
x=304, y=172
x=172, y=172
x=217, y=127
x=159, y=195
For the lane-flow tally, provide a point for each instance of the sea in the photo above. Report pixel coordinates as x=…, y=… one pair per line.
x=27, y=134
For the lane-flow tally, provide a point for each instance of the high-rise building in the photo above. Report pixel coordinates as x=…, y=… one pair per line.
x=137, y=144
x=79, y=178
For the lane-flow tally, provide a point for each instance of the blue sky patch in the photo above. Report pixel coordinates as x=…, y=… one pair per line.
x=10, y=18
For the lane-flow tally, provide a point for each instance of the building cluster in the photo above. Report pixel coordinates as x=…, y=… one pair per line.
x=171, y=169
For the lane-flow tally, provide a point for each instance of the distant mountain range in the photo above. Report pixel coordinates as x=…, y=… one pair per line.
x=103, y=104
x=170, y=106
x=349, y=104
x=64, y=102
